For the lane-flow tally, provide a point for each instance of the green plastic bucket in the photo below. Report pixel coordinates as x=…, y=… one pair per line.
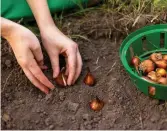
x=142, y=43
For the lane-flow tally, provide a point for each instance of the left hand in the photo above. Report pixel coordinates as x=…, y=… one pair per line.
x=55, y=43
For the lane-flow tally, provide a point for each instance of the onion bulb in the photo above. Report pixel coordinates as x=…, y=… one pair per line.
x=165, y=57
x=147, y=66
x=96, y=104
x=162, y=80
x=89, y=78
x=161, y=64
x=156, y=56
x=147, y=79
x=151, y=90
x=161, y=72
x=61, y=79
x=153, y=76
x=135, y=62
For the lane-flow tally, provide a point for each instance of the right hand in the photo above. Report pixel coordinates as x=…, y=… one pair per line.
x=28, y=53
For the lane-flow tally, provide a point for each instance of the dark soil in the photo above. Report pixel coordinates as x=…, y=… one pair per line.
x=25, y=107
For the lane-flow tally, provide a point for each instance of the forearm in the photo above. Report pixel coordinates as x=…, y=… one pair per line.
x=41, y=13
x=7, y=27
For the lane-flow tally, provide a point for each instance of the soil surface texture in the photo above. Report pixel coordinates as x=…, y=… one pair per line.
x=25, y=107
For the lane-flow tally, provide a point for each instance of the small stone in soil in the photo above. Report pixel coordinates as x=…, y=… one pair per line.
x=5, y=117
x=40, y=96
x=47, y=121
x=87, y=123
x=37, y=121
x=73, y=118
x=72, y=106
x=51, y=127
x=86, y=117
x=41, y=115
x=89, y=127
x=21, y=101
x=44, y=113
x=8, y=63
x=96, y=119
x=61, y=95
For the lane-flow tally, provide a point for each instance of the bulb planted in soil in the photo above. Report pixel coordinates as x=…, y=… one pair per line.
x=96, y=104
x=89, y=78
x=61, y=79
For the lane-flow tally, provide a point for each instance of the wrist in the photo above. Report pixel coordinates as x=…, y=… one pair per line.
x=45, y=25
x=50, y=29
x=7, y=27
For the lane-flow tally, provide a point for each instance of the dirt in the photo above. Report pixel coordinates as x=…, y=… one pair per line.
x=25, y=107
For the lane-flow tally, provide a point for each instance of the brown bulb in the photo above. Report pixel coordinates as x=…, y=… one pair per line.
x=135, y=62
x=156, y=56
x=165, y=57
x=147, y=66
x=147, y=79
x=89, y=78
x=161, y=64
x=61, y=79
x=151, y=90
x=162, y=81
x=161, y=72
x=153, y=76
x=96, y=104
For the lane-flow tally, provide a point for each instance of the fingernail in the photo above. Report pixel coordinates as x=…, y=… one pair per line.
x=69, y=83
x=46, y=91
x=52, y=86
x=55, y=75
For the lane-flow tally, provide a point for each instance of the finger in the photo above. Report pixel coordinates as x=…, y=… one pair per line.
x=38, y=55
x=43, y=67
x=67, y=67
x=55, y=64
x=79, y=67
x=35, y=81
x=72, y=67
x=36, y=71
x=66, y=60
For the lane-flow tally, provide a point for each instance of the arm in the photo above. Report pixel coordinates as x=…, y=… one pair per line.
x=28, y=52
x=55, y=42
x=41, y=13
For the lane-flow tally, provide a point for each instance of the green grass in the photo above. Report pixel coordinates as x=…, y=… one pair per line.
x=131, y=10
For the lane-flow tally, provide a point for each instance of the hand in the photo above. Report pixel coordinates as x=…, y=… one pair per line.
x=55, y=43
x=28, y=53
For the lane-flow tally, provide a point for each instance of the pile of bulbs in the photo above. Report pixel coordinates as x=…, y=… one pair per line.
x=95, y=104
x=153, y=69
